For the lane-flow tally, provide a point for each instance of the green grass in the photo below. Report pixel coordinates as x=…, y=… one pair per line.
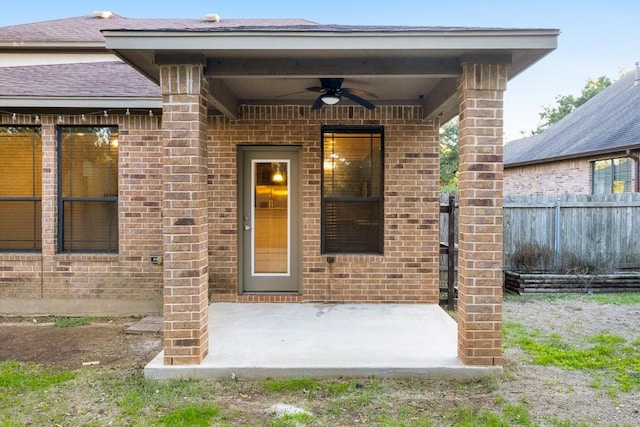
x=619, y=298
x=191, y=416
x=32, y=395
x=610, y=359
x=17, y=378
x=70, y=322
x=292, y=385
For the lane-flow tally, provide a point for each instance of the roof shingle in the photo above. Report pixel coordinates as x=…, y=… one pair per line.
x=95, y=79
x=610, y=121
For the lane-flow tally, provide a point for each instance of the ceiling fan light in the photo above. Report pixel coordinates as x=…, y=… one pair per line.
x=330, y=99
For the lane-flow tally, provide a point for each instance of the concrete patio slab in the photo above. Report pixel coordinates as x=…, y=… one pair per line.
x=253, y=341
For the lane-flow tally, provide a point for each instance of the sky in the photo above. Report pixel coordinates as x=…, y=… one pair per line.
x=596, y=37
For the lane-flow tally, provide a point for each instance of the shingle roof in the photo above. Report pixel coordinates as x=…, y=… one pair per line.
x=97, y=79
x=87, y=28
x=609, y=122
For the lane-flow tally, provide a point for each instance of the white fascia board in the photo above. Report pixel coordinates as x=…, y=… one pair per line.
x=78, y=102
x=331, y=41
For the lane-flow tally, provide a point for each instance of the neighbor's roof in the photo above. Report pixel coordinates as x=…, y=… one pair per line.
x=607, y=123
x=85, y=30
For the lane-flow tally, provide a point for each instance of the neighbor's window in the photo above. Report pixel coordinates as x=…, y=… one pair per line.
x=88, y=189
x=352, y=189
x=20, y=188
x=612, y=176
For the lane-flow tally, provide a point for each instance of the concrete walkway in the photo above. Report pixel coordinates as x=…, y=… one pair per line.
x=251, y=341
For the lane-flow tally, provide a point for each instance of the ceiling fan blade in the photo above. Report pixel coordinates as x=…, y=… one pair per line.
x=360, y=92
x=291, y=94
x=345, y=93
x=315, y=89
x=317, y=104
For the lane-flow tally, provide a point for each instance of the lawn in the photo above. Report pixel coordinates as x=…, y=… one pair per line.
x=554, y=376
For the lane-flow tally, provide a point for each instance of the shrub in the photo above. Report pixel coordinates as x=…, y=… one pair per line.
x=593, y=264
x=531, y=256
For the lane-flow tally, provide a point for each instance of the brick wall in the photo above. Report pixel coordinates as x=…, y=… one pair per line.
x=78, y=284
x=408, y=270
x=551, y=179
x=480, y=93
x=66, y=284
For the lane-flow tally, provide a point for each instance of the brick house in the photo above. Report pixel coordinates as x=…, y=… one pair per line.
x=202, y=169
x=593, y=150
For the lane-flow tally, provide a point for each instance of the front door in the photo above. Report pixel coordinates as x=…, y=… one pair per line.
x=269, y=209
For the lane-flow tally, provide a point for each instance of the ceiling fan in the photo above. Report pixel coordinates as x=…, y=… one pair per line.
x=331, y=92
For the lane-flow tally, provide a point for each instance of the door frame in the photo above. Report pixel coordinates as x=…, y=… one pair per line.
x=295, y=221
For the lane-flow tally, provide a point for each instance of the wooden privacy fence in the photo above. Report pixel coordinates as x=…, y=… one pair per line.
x=603, y=226
x=586, y=226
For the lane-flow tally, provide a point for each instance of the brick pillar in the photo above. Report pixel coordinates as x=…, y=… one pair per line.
x=480, y=92
x=185, y=264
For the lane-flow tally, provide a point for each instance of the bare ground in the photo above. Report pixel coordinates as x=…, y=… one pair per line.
x=550, y=392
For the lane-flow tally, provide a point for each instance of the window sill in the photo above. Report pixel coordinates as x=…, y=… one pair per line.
x=86, y=257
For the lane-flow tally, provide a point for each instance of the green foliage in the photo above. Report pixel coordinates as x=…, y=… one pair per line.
x=70, y=322
x=191, y=416
x=17, y=377
x=565, y=104
x=449, y=157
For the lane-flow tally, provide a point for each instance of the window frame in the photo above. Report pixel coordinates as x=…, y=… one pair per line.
x=37, y=129
x=355, y=129
x=62, y=199
x=610, y=185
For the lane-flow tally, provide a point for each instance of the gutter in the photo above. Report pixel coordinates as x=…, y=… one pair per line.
x=619, y=150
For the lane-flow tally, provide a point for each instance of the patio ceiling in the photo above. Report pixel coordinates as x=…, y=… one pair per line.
x=400, y=65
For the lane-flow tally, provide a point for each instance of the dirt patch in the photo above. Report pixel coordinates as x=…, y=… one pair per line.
x=68, y=348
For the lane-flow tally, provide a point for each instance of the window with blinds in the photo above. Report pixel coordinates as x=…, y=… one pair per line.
x=88, y=189
x=352, y=189
x=20, y=188
x=612, y=176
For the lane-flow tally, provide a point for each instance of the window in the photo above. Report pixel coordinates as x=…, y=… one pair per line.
x=20, y=188
x=612, y=176
x=88, y=189
x=352, y=189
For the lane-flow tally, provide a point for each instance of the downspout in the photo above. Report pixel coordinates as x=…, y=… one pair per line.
x=636, y=178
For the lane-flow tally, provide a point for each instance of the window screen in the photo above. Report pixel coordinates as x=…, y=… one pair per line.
x=20, y=188
x=88, y=189
x=352, y=190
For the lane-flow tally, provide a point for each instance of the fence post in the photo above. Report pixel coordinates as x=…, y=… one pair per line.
x=558, y=244
x=451, y=254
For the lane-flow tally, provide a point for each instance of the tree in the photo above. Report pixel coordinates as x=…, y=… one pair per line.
x=565, y=104
x=449, y=155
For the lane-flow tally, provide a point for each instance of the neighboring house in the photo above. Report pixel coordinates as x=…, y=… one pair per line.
x=218, y=177
x=593, y=150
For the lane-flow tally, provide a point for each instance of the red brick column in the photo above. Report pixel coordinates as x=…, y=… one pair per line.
x=185, y=268
x=480, y=92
